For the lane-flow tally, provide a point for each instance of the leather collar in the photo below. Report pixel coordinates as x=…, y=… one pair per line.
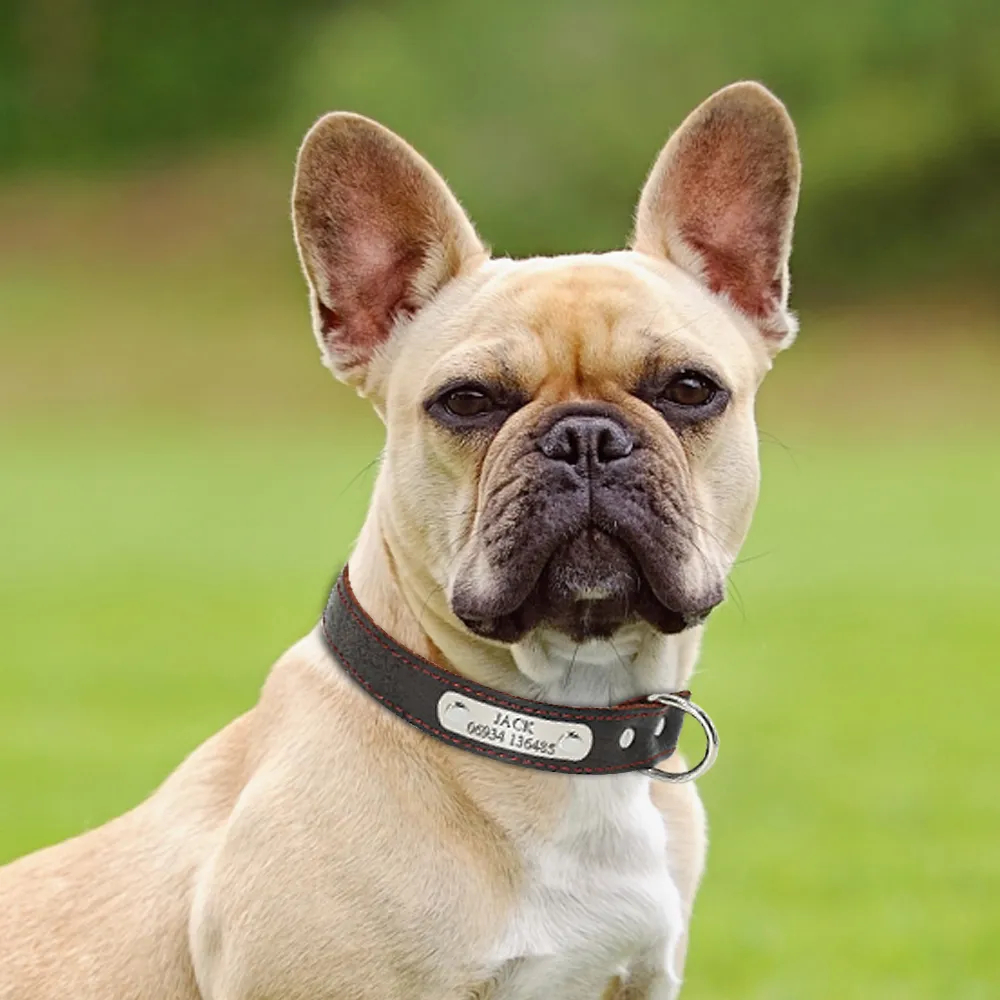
x=632, y=736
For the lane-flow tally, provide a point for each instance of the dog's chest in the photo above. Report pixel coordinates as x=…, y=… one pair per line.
x=598, y=901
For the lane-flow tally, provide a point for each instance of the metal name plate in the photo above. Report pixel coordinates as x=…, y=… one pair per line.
x=496, y=727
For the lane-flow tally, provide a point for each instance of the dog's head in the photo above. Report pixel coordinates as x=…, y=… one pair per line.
x=571, y=440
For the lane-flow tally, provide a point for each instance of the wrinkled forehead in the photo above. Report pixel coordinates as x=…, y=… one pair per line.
x=582, y=325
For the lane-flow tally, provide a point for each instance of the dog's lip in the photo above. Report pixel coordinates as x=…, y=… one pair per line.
x=593, y=594
x=507, y=621
x=692, y=619
x=641, y=549
x=510, y=626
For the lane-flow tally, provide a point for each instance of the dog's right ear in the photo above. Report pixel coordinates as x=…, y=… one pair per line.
x=378, y=234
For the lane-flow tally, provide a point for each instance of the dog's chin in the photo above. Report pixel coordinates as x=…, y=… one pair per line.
x=590, y=588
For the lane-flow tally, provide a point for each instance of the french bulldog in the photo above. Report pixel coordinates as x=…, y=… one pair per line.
x=569, y=471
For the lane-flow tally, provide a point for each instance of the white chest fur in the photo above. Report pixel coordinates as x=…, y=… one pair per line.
x=598, y=900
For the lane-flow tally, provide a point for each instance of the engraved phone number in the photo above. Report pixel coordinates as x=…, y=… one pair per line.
x=516, y=741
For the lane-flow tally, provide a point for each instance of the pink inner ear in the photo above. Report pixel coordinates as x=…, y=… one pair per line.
x=745, y=273
x=721, y=200
x=372, y=291
x=379, y=234
x=735, y=224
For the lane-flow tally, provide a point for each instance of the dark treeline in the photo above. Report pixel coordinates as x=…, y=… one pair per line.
x=86, y=83
x=545, y=116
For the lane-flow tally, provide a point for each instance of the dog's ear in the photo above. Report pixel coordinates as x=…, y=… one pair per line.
x=378, y=233
x=720, y=203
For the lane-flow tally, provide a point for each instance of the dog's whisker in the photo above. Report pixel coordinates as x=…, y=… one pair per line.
x=357, y=475
x=749, y=559
x=787, y=449
x=737, y=597
x=427, y=600
x=621, y=659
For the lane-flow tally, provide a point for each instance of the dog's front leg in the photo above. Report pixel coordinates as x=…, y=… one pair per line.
x=658, y=976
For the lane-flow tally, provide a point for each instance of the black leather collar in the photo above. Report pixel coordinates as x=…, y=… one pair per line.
x=629, y=737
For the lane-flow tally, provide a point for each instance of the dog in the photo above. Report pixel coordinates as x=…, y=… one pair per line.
x=570, y=469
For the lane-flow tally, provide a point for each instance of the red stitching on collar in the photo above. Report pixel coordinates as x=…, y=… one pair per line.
x=454, y=680
x=484, y=748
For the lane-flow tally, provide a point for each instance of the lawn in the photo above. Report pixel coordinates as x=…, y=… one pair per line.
x=170, y=520
x=153, y=570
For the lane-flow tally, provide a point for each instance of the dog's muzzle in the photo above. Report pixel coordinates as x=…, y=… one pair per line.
x=599, y=535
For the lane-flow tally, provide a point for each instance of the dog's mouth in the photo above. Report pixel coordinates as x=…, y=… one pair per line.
x=588, y=588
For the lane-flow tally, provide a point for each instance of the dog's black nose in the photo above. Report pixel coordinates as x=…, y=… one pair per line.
x=586, y=440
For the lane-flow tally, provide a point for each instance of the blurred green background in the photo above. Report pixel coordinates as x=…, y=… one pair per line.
x=180, y=480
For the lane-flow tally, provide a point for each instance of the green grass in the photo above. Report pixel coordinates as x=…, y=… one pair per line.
x=855, y=811
x=153, y=569
x=179, y=482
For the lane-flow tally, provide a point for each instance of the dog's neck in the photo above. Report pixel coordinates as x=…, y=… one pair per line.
x=406, y=602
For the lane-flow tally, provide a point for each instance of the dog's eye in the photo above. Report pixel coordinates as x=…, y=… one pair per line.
x=690, y=389
x=474, y=406
x=467, y=403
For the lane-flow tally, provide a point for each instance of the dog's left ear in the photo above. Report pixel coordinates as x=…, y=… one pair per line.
x=720, y=202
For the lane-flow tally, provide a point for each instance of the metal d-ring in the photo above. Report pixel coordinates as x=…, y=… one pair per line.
x=711, y=739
